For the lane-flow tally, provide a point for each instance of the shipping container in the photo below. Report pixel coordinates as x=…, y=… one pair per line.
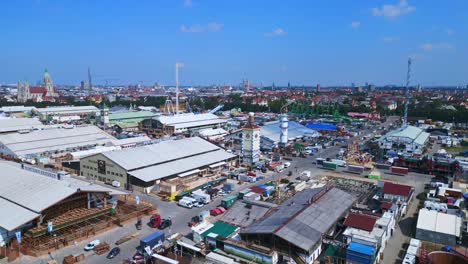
x=356, y=169
x=243, y=193
x=382, y=166
x=329, y=165
x=228, y=201
x=399, y=170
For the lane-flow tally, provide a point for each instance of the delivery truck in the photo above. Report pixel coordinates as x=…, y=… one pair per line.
x=247, y=178
x=201, y=197
x=156, y=239
x=320, y=161
x=339, y=162
x=329, y=165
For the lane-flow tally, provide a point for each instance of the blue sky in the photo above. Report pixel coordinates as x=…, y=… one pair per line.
x=220, y=41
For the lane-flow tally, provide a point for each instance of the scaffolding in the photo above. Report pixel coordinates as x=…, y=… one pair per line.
x=81, y=223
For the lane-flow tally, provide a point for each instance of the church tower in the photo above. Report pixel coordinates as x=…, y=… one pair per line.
x=23, y=92
x=47, y=80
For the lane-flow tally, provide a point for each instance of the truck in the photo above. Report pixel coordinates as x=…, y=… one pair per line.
x=228, y=201
x=399, y=170
x=185, y=203
x=339, y=162
x=329, y=165
x=247, y=178
x=374, y=175
x=228, y=187
x=320, y=161
x=355, y=169
x=201, y=197
x=156, y=239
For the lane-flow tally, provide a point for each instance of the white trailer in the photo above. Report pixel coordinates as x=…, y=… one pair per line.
x=201, y=197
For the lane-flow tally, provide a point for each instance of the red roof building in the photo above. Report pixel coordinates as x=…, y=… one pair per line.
x=360, y=221
x=396, y=189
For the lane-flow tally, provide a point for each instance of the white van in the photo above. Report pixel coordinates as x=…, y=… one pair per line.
x=185, y=203
x=116, y=184
x=195, y=202
x=287, y=164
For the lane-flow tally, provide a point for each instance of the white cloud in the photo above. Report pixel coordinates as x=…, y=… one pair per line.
x=390, y=39
x=355, y=24
x=277, y=33
x=450, y=31
x=436, y=46
x=396, y=10
x=210, y=27
x=188, y=3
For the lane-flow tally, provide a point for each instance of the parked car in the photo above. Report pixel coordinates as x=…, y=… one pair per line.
x=287, y=164
x=217, y=211
x=91, y=245
x=114, y=252
x=165, y=223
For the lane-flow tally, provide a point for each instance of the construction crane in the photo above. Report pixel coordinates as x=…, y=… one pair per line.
x=408, y=75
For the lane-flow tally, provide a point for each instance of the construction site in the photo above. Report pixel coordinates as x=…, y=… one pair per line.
x=74, y=222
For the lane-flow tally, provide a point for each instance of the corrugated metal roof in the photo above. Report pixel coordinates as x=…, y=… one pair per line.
x=16, y=124
x=23, y=194
x=131, y=115
x=303, y=224
x=361, y=221
x=165, y=151
x=30, y=190
x=67, y=109
x=17, y=215
x=180, y=166
x=191, y=120
x=443, y=223
x=53, y=139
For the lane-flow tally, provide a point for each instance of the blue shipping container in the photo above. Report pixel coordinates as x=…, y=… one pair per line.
x=360, y=253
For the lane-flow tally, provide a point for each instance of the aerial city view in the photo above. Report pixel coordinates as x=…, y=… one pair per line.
x=229, y=132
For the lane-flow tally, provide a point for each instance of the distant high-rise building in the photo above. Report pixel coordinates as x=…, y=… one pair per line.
x=82, y=85
x=90, y=84
x=318, y=88
x=289, y=85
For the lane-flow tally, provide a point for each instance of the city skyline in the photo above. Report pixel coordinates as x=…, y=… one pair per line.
x=326, y=42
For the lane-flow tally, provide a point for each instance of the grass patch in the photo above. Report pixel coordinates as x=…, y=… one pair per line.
x=456, y=150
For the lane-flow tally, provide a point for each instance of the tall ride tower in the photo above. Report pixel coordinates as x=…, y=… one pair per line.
x=407, y=94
